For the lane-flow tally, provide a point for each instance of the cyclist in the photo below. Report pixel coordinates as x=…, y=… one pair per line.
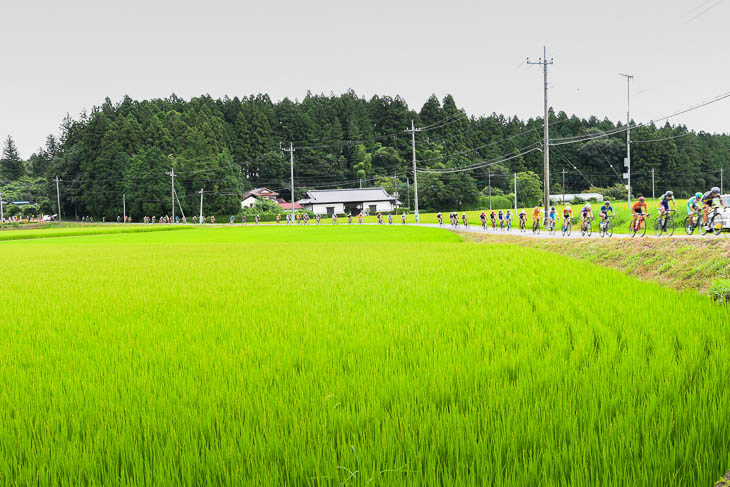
x=359, y=217
x=380, y=218
x=664, y=203
x=390, y=218
x=255, y=218
x=493, y=218
x=585, y=213
x=334, y=218
x=278, y=216
x=349, y=217
x=500, y=217
x=694, y=207
x=567, y=216
x=603, y=212
x=708, y=201
x=536, y=215
x=440, y=218
x=638, y=209
x=464, y=219
x=483, y=218
x=403, y=218
x=522, y=215
x=553, y=216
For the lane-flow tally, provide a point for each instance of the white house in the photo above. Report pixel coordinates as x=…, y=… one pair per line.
x=560, y=197
x=367, y=200
x=249, y=198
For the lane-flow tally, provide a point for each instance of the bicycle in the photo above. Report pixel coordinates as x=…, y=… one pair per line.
x=509, y=225
x=691, y=227
x=501, y=225
x=536, y=227
x=714, y=222
x=567, y=227
x=523, y=224
x=638, y=226
x=550, y=226
x=587, y=227
x=665, y=224
x=605, y=228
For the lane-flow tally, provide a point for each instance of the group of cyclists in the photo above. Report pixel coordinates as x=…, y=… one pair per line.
x=699, y=207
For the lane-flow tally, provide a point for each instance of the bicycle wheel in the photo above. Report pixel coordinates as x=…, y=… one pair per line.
x=536, y=228
x=642, y=228
x=690, y=229
x=658, y=227
x=602, y=228
x=609, y=228
x=716, y=224
x=703, y=228
x=589, y=228
x=669, y=226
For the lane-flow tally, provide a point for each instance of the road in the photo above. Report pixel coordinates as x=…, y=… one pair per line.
x=678, y=232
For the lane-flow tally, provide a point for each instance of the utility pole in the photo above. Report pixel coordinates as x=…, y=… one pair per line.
x=58, y=199
x=2, y=215
x=124, y=207
x=652, y=184
x=627, y=161
x=408, y=191
x=515, y=194
x=721, y=187
x=563, y=186
x=489, y=175
x=172, y=191
x=291, y=150
x=546, y=149
x=200, y=220
x=413, y=131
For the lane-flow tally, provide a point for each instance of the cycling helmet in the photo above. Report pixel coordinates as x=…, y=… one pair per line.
x=607, y=202
x=698, y=195
x=715, y=189
x=552, y=208
x=669, y=193
x=642, y=199
x=567, y=207
x=588, y=205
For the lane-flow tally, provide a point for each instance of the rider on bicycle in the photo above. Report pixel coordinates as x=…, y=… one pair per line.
x=585, y=213
x=483, y=218
x=464, y=219
x=493, y=218
x=708, y=200
x=567, y=215
x=508, y=217
x=664, y=203
x=500, y=217
x=638, y=209
x=604, y=211
x=522, y=216
x=694, y=207
x=553, y=216
x=536, y=215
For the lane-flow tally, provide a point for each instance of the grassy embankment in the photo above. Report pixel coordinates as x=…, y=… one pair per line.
x=702, y=265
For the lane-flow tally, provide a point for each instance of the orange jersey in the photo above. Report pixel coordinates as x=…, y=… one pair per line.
x=638, y=206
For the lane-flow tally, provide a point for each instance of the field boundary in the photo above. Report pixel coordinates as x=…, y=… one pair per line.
x=700, y=265
x=11, y=235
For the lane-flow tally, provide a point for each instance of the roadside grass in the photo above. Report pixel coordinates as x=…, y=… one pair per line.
x=702, y=265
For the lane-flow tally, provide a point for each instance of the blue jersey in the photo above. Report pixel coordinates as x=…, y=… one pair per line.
x=606, y=209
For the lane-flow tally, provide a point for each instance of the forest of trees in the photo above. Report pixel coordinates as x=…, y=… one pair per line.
x=228, y=146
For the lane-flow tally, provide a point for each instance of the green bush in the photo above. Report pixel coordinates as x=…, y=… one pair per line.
x=720, y=291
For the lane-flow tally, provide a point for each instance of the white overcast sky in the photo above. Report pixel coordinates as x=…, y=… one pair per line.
x=61, y=57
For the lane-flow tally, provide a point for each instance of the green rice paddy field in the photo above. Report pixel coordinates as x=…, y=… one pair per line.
x=355, y=355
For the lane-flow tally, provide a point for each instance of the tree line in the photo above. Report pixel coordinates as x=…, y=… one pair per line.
x=228, y=146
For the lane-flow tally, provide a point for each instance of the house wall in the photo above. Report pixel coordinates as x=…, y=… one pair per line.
x=248, y=202
x=380, y=206
x=321, y=209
